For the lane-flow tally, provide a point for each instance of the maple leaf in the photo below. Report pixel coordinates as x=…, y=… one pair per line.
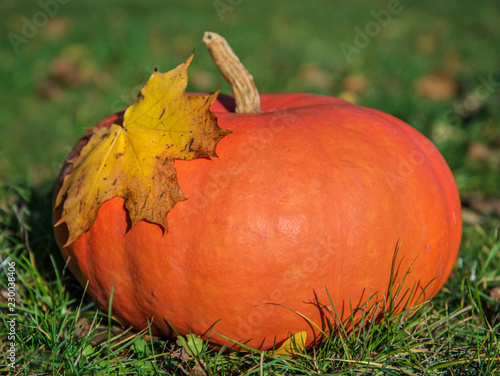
x=136, y=160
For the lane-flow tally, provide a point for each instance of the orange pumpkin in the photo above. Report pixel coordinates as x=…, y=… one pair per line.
x=302, y=209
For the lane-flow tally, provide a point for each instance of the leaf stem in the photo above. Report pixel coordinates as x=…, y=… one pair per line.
x=245, y=92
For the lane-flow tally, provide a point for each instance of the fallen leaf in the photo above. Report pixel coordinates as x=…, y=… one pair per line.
x=485, y=205
x=313, y=75
x=67, y=72
x=83, y=324
x=191, y=343
x=352, y=86
x=436, y=86
x=135, y=160
x=183, y=355
x=292, y=345
x=197, y=370
x=479, y=152
x=49, y=89
x=86, y=327
x=4, y=296
x=72, y=68
x=495, y=294
x=355, y=82
x=470, y=217
x=57, y=28
x=348, y=96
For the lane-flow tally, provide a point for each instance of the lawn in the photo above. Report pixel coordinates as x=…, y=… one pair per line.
x=65, y=65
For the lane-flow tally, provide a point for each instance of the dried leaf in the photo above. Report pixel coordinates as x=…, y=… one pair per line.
x=479, y=152
x=470, y=217
x=136, y=160
x=348, y=96
x=67, y=73
x=292, y=344
x=355, y=82
x=4, y=297
x=495, y=294
x=436, y=86
x=197, y=370
x=487, y=205
x=57, y=28
x=352, y=86
x=49, y=89
x=312, y=75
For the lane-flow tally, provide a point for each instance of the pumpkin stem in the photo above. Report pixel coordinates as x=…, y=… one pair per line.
x=245, y=92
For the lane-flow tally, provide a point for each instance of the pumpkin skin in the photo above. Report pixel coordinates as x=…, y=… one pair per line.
x=305, y=203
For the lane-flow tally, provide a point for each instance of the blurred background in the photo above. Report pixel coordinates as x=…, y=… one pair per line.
x=66, y=64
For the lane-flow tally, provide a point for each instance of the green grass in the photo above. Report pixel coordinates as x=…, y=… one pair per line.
x=457, y=333
x=115, y=44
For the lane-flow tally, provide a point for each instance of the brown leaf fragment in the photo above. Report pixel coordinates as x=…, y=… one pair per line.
x=312, y=75
x=486, y=205
x=480, y=152
x=436, y=86
x=495, y=294
x=471, y=217
x=355, y=82
x=67, y=73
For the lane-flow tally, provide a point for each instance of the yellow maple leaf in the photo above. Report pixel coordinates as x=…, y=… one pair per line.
x=136, y=160
x=292, y=344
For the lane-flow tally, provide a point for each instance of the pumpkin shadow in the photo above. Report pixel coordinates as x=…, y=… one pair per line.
x=227, y=101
